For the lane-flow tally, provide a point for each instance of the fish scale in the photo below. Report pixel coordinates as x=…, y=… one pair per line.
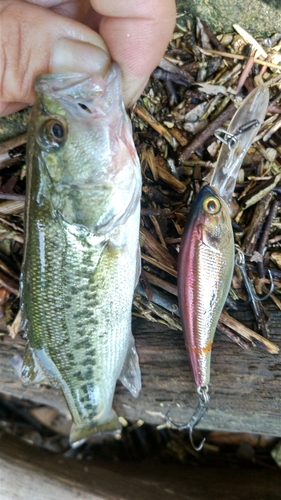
x=63, y=324
x=81, y=249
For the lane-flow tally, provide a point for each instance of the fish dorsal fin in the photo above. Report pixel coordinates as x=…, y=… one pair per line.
x=130, y=374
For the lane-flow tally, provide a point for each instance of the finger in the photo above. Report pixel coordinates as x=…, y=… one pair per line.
x=136, y=34
x=34, y=40
x=76, y=9
x=7, y=108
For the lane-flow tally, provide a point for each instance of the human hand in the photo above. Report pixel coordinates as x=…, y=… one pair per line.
x=59, y=36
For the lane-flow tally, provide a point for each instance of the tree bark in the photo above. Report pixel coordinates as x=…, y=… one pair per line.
x=245, y=386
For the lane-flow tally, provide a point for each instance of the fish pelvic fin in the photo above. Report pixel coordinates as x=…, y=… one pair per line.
x=131, y=375
x=81, y=432
x=32, y=372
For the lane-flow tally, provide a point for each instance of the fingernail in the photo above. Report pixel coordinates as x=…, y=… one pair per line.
x=80, y=57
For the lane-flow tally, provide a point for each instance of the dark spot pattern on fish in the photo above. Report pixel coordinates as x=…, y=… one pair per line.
x=88, y=361
x=80, y=332
x=89, y=372
x=90, y=409
x=78, y=376
x=78, y=294
x=91, y=352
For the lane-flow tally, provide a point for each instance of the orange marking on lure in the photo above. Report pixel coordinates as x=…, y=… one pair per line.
x=201, y=351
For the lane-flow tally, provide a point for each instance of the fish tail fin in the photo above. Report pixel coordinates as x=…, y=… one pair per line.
x=79, y=433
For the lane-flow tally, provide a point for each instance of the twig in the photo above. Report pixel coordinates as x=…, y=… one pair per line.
x=239, y=56
x=266, y=231
x=254, y=229
x=12, y=143
x=153, y=247
x=13, y=197
x=170, y=179
x=233, y=336
x=248, y=334
x=158, y=230
x=167, y=269
x=216, y=43
x=259, y=191
x=9, y=283
x=200, y=138
x=144, y=115
x=165, y=285
x=248, y=66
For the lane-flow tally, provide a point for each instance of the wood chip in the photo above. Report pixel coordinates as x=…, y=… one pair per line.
x=248, y=334
x=145, y=116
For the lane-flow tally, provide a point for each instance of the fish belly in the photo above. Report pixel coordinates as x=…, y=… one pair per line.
x=77, y=291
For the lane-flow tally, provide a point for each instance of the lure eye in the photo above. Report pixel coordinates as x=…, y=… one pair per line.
x=211, y=205
x=54, y=132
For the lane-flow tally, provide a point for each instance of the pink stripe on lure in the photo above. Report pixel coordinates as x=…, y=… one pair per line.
x=205, y=270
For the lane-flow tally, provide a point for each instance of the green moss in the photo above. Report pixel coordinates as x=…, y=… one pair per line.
x=13, y=125
x=259, y=17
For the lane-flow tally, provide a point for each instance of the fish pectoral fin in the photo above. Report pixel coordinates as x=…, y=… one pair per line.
x=79, y=433
x=32, y=373
x=130, y=374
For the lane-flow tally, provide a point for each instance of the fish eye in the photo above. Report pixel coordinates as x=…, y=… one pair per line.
x=54, y=132
x=57, y=130
x=211, y=205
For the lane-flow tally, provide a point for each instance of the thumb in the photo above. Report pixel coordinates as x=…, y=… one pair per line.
x=35, y=40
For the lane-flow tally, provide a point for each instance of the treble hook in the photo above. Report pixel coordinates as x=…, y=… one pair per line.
x=253, y=297
x=198, y=414
x=240, y=262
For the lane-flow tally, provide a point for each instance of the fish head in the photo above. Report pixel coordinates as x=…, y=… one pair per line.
x=81, y=137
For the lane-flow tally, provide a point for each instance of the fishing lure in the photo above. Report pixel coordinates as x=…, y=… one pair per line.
x=206, y=258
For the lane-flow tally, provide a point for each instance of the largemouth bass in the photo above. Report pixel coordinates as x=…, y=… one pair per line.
x=81, y=260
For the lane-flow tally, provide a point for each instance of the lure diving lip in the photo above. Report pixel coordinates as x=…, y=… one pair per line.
x=241, y=132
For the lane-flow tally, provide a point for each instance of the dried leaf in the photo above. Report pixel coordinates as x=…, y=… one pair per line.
x=15, y=326
x=210, y=89
x=249, y=39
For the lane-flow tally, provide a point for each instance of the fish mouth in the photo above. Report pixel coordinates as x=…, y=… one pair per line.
x=76, y=84
x=68, y=84
x=91, y=92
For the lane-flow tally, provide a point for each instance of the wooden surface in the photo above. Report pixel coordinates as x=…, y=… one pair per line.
x=28, y=472
x=245, y=386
